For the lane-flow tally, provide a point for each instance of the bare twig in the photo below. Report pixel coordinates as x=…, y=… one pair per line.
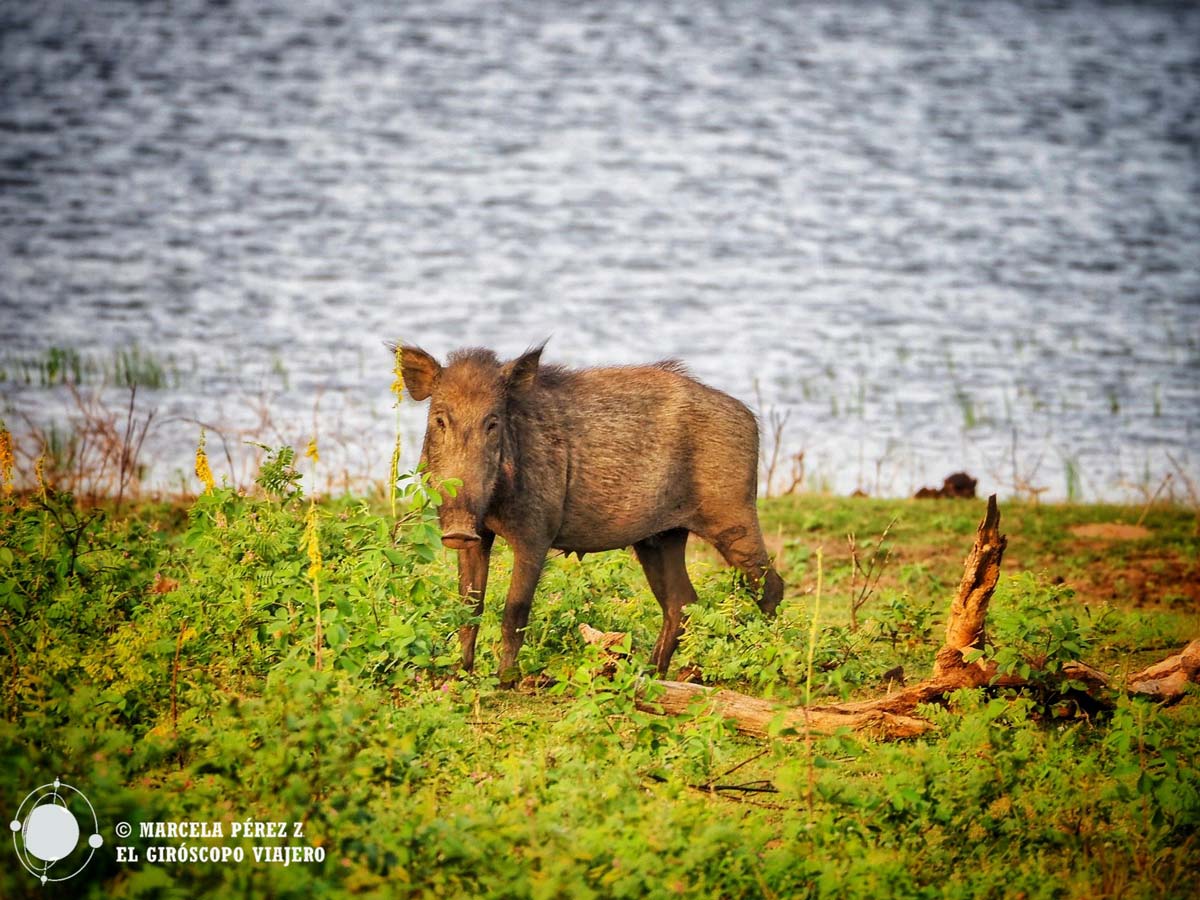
x=131, y=445
x=1190, y=487
x=1022, y=483
x=870, y=575
x=724, y=791
x=1150, y=502
x=749, y=759
x=771, y=443
x=763, y=786
x=797, y=474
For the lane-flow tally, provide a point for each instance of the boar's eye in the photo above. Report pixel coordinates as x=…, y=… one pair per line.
x=492, y=425
x=440, y=423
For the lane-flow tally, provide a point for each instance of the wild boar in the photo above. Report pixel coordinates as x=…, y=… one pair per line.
x=583, y=461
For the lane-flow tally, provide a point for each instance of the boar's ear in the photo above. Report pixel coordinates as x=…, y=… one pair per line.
x=522, y=371
x=420, y=370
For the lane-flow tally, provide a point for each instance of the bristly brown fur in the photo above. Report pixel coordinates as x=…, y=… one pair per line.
x=477, y=355
x=674, y=365
x=550, y=374
x=587, y=460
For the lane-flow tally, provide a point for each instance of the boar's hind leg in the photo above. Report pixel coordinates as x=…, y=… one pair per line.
x=743, y=548
x=472, y=584
x=662, y=556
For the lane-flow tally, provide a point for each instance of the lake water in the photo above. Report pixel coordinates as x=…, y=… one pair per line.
x=935, y=235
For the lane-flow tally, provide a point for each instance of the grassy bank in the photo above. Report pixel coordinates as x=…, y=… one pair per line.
x=261, y=658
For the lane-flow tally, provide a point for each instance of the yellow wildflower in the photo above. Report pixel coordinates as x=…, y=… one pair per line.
x=311, y=451
x=39, y=472
x=398, y=371
x=1000, y=807
x=312, y=543
x=398, y=390
x=6, y=459
x=203, y=471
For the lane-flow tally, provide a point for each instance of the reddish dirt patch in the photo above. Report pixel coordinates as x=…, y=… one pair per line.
x=1156, y=580
x=1110, y=531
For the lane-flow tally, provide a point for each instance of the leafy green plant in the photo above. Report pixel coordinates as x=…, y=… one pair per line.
x=906, y=623
x=164, y=658
x=729, y=640
x=277, y=474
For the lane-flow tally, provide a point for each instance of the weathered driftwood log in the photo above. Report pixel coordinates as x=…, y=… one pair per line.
x=753, y=716
x=893, y=716
x=1168, y=678
x=609, y=642
x=605, y=639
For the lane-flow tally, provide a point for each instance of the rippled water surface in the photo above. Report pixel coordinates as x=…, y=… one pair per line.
x=936, y=235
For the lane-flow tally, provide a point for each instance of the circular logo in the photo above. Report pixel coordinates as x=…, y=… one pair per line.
x=46, y=832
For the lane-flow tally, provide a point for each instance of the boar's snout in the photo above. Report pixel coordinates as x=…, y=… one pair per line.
x=459, y=540
x=460, y=529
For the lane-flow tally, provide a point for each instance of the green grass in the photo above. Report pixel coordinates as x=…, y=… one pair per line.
x=163, y=661
x=121, y=367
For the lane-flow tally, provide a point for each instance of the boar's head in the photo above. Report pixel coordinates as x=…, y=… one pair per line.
x=468, y=434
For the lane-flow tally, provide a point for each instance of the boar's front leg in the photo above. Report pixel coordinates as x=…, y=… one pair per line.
x=527, y=569
x=472, y=584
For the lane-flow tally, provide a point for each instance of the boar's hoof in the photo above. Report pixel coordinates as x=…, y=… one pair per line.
x=510, y=678
x=772, y=593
